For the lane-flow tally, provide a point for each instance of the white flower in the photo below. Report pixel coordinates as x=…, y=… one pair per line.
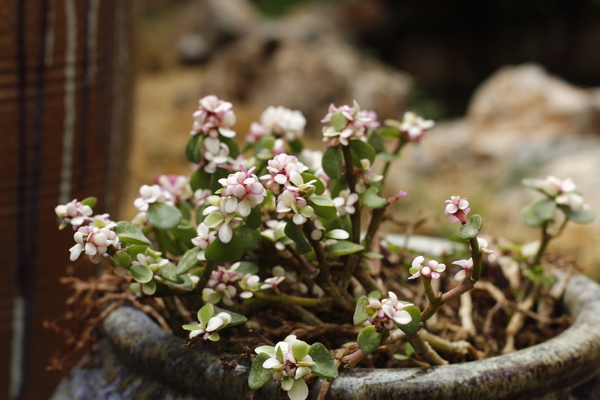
x=290, y=203
x=94, y=241
x=244, y=191
x=345, y=202
x=214, y=116
x=74, y=213
x=458, y=208
x=283, y=122
x=290, y=364
x=209, y=329
x=414, y=126
x=387, y=312
x=221, y=286
x=280, y=170
x=562, y=191
x=152, y=194
x=465, y=272
x=431, y=270
x=483, y=246
x=177, y=185
x=215, y=153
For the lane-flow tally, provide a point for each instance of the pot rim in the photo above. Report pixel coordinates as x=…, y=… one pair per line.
x=556, y=365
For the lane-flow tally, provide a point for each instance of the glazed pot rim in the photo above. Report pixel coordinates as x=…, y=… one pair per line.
x=557, y=364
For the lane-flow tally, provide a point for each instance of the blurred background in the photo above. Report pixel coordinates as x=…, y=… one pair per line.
x=96, y=98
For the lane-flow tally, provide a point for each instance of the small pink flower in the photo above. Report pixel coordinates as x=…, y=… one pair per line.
x=94, y=241
x=414, y=126
x=431, y=270
x=152, y=194
x=396, y=197
x=387, y=312
x=465, y=272
x=291, y=204
x=221, y=286
x=177, y=185
x=280, y=169
x=74, y=213
x=356, y=126
x=214, y=116
x=458, y=208
x=243, y=190
x=345, y=202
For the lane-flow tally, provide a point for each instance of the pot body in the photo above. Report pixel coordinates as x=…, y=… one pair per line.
x=139, y=360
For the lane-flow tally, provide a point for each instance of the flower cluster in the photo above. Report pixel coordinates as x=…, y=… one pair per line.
x=214, y=116
x=243, y=191
x=414, y=127
x=353, y=124
x=178, y=186
x=431, y=270
x=94, y=241
x=280, y=170
x=562, y=191
x=345, y=203
x=290, y=363
x=458, y=208
x=280, y=122
x=152, y=194
x=387, y=312
x=74, y=213
x=209, y=324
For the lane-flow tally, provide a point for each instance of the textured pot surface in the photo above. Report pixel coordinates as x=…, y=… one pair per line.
x=139, y=360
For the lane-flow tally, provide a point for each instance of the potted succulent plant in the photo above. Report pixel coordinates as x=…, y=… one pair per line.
x=268, y=247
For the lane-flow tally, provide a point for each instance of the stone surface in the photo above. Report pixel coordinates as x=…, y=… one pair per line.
x=142, y=361
x=524, y=105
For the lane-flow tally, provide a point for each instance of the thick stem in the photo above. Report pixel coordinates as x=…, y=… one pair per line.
x=351, y=179
x=546, y=237
x=208, y=269
x=477, y=258
x=401, y=142
x=294, y=300
x=425, y=350
x=376, y=218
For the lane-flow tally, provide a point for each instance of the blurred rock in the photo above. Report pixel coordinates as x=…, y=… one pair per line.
x=524, y=106
x=301, y=62
x=205, y=25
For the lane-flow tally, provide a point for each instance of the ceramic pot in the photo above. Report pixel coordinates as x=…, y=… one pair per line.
x=139, y=360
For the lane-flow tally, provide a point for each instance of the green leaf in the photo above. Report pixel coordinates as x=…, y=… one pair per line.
x=206, y=313
x=389, y=133
x=369, y=339
x=166, y=242
x=372, y=256
x=529, y=217
x=219, y=252
x=141, y=273
x=236, y=319
x=332, y=162
x=296, y=146
x=122, y=258
x=360, y=315
x=188, y=261
x=401, y=357
x=583, y=216
x=254, y=218
x=300, y=349
x=191, y=327
x=530, y=183
x=295, y=233
x=89, y=201
x=200, y=179
x=343, y=248
x=413, y=326
x=409, y=349
x=471, y=229
x=544, y=209
x=234, y=149
x=193, y=148
x=199, y=216
x=376, y=142
x=319, y=187
x=169, y=272
x=149, y=288
x=136, y=249
x=386, y=157
x=324, y=363
x=247, y=267
x=129, y=233
x=338, y=121
x=324, y=207
x=186, y=210
x=259, y=376
x=371, y=199
x=163, y=216
x=363, y=150
x=250, y=238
